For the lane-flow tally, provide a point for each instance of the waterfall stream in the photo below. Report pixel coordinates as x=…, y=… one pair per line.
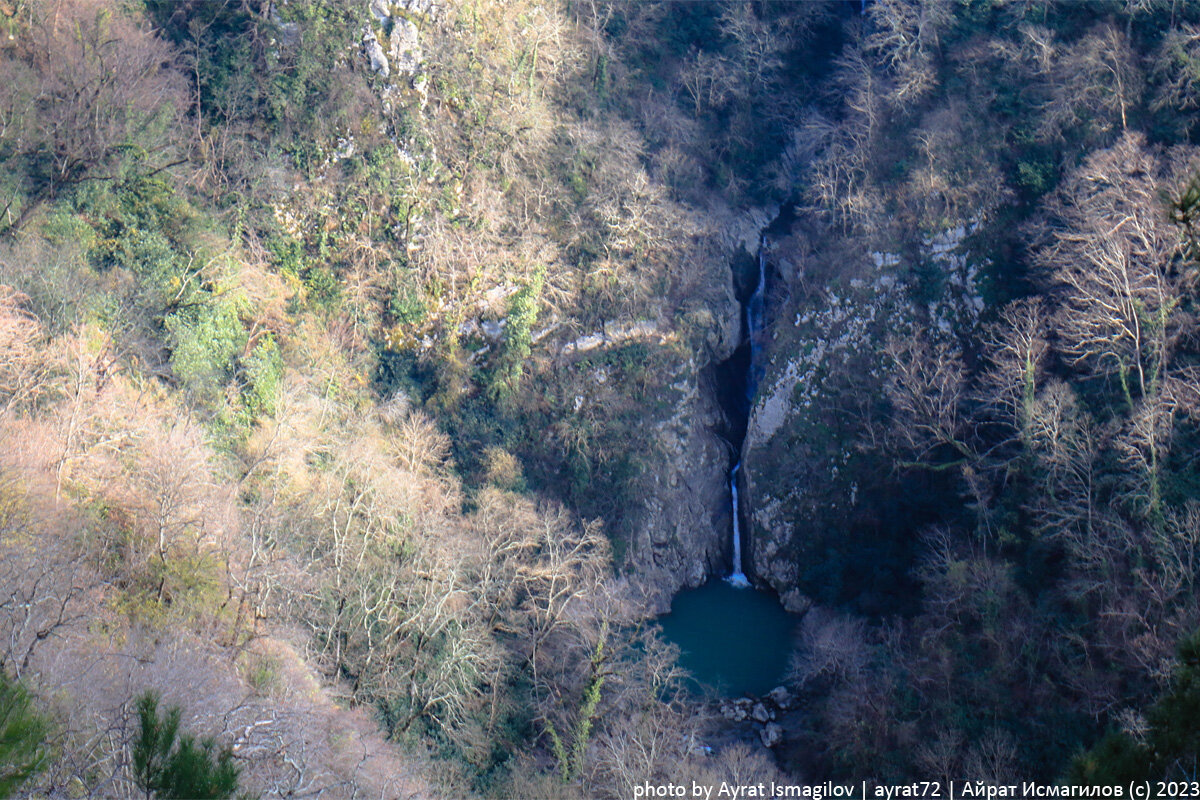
x=737, y=577
x=752, y=313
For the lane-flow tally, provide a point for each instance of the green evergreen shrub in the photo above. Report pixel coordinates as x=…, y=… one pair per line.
x=23, y=733
x=167, y=764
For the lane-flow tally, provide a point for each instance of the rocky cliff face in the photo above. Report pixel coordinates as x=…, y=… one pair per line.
x=683, y=533
x=818, y=484
x=682, y=537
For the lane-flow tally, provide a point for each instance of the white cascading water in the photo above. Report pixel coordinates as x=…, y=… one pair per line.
x=737, y=577
x=754, y=309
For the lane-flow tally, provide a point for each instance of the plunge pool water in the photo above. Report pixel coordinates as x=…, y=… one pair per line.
x=734, y=640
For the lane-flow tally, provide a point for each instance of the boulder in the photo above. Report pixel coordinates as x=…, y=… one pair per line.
x=734, y=711
x=380, y=10
x=782, y=698
x=771, y=734
x=795, y=602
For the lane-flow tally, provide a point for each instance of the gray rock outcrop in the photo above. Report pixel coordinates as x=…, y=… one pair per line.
x=404, y=47
x=392, y=45
x=810, y=472
x=782, y=698
x=375, y=54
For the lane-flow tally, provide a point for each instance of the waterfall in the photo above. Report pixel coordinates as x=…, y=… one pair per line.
x=753, y=314
x=737, y=577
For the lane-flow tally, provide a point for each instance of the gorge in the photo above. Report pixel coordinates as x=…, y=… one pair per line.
x=735, y=639
x=752, y=314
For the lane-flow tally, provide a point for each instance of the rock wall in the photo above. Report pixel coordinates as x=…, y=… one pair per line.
x=684, y=530
x=817, y=478
x=683, y=536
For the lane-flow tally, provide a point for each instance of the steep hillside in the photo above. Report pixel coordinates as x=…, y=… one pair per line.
x=353, y=377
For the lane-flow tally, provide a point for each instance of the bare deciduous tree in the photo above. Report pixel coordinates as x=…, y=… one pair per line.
x=1017, y=348
x=1094, y=82
x=1066, y=445
x=831, y=648
x=956, y=179
x=44, y=579
x=1112, y=249
x=927, y=391
x=758, y=46
x=99, y=86
x=905, y=37
x=26, y=364
x=1175, y=70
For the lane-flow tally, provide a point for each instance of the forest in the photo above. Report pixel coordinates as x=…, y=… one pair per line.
x=364, y=392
